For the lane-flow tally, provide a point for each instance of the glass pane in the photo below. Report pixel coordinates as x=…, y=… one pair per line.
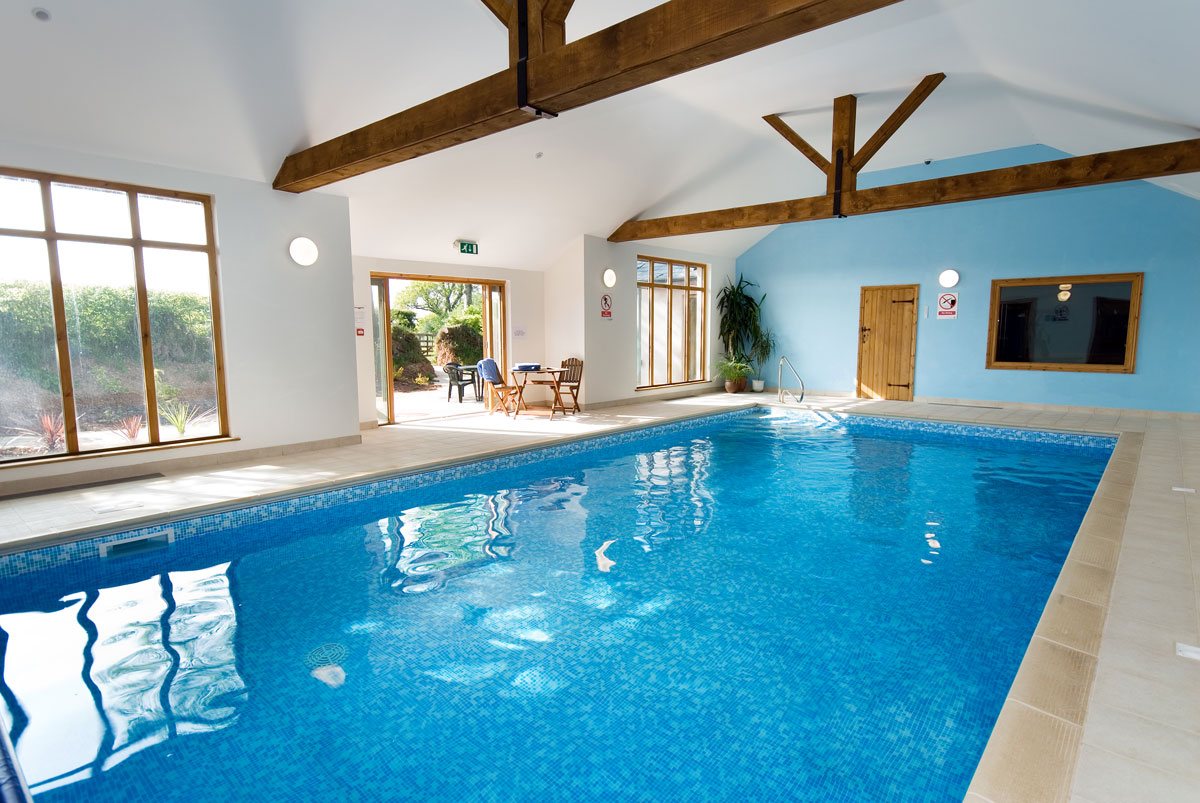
x=643, y=270
x=172, y=220
x=21, y=204
x=697, y=276
x=90, y=210
x=379, y=349
x=496, y=332
x=105, y=344
x=31, y=420
x=643, y=336
x=179, y=296
x=678, y=274
x=679, y=335
x=662, y=332
x=695, y=336
x=661, y=276
x=1080, y=323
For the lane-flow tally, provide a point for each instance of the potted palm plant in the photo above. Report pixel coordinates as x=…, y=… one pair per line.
x=734, y=372
x=741, y=333
x=760, y=352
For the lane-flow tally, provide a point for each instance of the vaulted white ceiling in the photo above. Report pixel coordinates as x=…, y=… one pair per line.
x=233, y=86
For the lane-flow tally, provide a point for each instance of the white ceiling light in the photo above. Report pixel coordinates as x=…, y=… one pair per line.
x=948, y=278
x=610, y=277
x=303, y=251
x=41, y=14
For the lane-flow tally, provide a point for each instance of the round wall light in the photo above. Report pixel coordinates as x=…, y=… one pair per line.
x=303, y=251
x=1064, y=296
x=610, y=277
x=948, y=278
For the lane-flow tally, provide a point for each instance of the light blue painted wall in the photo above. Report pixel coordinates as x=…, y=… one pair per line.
x=812, y=273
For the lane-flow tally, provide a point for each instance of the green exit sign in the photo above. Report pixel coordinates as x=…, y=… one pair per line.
x=468, y=247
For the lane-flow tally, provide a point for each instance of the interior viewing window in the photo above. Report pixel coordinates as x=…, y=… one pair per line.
x=1065, y=323
x=671, y=322
x=109, y=319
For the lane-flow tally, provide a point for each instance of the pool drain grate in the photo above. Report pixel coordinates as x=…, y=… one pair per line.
x=326, y=655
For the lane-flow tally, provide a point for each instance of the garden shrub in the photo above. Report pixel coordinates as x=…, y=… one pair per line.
x=407, y=360
x=460, y=343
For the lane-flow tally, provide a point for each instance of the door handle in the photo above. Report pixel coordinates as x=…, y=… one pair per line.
x=864, y=331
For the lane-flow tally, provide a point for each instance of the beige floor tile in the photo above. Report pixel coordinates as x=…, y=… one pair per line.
x=1029, y=758
x=1148, y=698
x=1072, y=623
x=1144, y=740
x=1106, y=777
x=1093, y=551
x=1088, y=583
x=1153, y=603
x=1055, y=679
x=1162, y=664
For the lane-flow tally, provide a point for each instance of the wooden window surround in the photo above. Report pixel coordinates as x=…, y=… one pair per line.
x=1065, y=323
x=166, y=235
x=672, y=293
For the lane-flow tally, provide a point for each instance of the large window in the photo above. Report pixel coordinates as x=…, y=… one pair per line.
x=671, y=322
x=109, y=324
x=1065, y=323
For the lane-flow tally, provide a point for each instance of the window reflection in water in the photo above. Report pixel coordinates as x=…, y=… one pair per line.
x=661, y=480
x=425, y=546
x=111, y=672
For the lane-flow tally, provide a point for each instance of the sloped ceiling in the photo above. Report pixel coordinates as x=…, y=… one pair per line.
x=231, y=87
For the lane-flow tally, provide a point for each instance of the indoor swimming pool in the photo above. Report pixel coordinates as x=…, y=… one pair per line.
x=749, y=606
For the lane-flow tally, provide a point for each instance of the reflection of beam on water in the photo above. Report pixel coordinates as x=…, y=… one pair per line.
x=164, y=691
x=141, y=666
x=16, y=714
x=93, y=634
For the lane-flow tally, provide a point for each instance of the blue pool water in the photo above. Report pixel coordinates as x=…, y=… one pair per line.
x=767, y=608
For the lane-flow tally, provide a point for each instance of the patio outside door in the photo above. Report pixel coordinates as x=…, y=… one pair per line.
x=494, y=325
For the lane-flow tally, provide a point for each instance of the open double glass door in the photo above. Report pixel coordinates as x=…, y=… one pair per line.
x=495, y=324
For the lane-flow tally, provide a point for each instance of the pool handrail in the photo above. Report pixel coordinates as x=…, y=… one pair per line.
x=779, y=383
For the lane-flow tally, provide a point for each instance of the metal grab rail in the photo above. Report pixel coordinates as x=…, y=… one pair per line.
x=779, y=382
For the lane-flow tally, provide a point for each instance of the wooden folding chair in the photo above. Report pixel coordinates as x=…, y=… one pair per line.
x=571, y=380
x=503, y=396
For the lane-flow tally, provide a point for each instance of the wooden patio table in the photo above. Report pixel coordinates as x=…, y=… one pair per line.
x=521, y=378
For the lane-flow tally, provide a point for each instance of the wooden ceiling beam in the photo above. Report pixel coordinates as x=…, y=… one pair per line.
x=667, y=40
x=892, y=124
x=798, y=142
x=845, y=115
x=1152, y=161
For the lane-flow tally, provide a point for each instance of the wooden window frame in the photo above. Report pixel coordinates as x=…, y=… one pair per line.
x=669, y=286
x=1131, y=334
x=51, y=237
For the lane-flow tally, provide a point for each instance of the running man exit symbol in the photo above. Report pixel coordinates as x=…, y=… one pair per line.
x=947, y=306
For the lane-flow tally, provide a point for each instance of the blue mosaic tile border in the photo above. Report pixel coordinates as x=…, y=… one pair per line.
x=19, y=563
x=867, y=423
x=38, y=559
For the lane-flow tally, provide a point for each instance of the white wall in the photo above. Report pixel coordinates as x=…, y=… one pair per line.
x=288, y=331
x=611, y=345
x=522, y=292
x=564, y=279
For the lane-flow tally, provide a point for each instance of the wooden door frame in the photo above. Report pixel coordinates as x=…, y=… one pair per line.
x=486, y=284
x=912, y=357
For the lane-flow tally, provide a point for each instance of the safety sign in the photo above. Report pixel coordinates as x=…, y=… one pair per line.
x=947, y=306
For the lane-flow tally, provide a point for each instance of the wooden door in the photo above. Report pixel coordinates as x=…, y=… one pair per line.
x=887, y=342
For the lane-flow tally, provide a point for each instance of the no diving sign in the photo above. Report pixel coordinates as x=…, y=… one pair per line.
x=606, y=306
x=947, y=306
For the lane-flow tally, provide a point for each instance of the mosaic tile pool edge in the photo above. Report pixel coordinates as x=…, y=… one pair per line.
x=48, y=557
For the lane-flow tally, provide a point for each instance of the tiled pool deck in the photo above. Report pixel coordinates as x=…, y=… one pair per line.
x=1102, y=708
